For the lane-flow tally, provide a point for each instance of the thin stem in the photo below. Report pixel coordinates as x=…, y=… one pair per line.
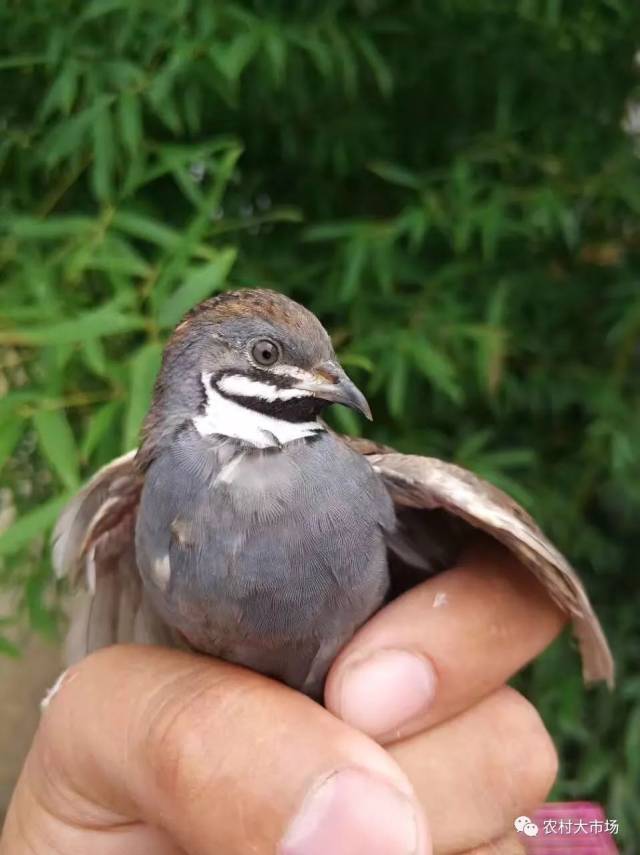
x=78, y=399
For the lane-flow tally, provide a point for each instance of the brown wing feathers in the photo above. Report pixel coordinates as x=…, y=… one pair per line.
x=422, y=482
x=94, y=538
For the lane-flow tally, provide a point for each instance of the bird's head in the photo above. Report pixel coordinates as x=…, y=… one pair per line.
x=251, y=365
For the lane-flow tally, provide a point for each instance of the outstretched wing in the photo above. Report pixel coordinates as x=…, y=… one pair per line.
x=429, y=484
x=94, y=546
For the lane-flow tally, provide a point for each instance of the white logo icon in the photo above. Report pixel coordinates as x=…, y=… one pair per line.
x=526, y=826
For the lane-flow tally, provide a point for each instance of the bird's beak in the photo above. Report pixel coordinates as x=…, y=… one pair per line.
x=329, y=382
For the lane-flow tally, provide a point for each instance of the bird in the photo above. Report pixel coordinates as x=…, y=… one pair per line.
x=243, y=527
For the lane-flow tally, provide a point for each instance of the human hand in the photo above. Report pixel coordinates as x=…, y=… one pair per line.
x=426, y=678
x=149, y=750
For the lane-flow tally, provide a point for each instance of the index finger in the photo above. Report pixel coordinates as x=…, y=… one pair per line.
x=442, y=646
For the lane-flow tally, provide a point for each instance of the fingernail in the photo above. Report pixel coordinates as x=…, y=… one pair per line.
x=353, y=811
x=385, y=691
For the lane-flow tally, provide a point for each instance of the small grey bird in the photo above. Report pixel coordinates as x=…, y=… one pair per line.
x=244, y=528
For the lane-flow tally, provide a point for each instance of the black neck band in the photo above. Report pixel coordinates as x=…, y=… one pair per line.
x=304, y=408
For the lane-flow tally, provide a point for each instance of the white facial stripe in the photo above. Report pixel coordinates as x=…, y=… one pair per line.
x=228, y=418
x=292, y=372
x=237, y=384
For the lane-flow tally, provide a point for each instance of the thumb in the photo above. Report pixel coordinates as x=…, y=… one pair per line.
x=151, y=750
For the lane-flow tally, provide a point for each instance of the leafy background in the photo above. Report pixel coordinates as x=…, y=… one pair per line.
x=453, y=186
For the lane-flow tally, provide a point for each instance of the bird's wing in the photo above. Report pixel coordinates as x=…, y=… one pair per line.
x=94, y=547
x=434, y=486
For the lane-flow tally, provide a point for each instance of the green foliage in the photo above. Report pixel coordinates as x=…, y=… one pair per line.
x=447, y=184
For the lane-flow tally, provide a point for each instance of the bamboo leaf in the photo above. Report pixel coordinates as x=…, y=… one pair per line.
x=117, y=256
x=103, y=154
x=10, y=403
x=130, y=121
x=95, y=356
x=146, y=228
x=99, y=8
x=58, y=445
x=437, y=367
x=397, y=383
x=395, y=174
x=356, y=256
x=332, y=231
x=71, y=134
x=104, y=321
x=199, y=283
x=62, y=93
x=54, y=228
x=376, y=61
x=143, y=369
x=492, y=343
x=233, y=57
x=100, y=424
x=276, y=49
x=31, y=525
x=9, y=437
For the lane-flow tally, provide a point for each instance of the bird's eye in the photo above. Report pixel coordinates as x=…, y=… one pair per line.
x=265, y=352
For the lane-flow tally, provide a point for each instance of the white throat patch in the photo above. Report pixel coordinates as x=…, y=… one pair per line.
x=229, y=418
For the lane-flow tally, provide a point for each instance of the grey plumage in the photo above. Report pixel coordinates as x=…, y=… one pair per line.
x=265, y=547
x=245, y=529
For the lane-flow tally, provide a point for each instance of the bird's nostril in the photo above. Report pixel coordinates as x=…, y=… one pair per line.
x=327, y=373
